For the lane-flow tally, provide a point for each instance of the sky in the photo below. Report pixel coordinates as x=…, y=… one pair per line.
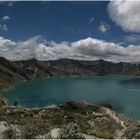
x=108, y=30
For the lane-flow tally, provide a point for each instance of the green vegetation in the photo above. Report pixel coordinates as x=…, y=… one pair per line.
x=74, y=120
x=71, y=131
x=30, y=131
x=10, y=134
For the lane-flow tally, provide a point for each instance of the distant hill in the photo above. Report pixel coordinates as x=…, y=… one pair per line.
x=17, y=71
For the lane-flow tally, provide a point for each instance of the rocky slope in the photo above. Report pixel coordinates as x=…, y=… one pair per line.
x=70, y=120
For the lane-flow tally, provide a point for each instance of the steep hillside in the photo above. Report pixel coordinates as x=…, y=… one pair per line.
x=11, y=72
x=70, y=120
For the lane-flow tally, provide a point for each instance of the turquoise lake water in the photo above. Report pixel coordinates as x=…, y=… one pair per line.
x=122, y=92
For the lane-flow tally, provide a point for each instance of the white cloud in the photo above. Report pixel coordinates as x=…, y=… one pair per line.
x=8, y=3
x=126, y=14
x=91, y=19
x=3, y=27
x=6, y=42
x=132, y=38
x=5, y=18
x=11, y=3
x=84, y=49
x=104, y=27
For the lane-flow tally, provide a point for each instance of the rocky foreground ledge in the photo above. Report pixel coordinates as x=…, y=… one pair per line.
x=70, y=120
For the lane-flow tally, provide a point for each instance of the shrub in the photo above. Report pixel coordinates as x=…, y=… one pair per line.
x=9, y=134
x=30, y=131
x=71, y=131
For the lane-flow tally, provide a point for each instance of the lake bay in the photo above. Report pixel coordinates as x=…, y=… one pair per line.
x=122, y=92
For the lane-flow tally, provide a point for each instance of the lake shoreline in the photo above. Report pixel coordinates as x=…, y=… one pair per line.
x=72, y=78
x=108, y=124
x=10, y=87
x=79, y=113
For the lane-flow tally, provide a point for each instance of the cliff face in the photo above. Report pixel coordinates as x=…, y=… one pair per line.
x=11, y=72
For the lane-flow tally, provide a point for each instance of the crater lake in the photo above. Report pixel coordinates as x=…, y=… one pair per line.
x=122, y=92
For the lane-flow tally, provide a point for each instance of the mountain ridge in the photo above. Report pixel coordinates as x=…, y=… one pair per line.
x=16, y=71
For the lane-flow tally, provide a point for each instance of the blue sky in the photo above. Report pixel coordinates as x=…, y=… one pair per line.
x=59, y=21
x=92, y=30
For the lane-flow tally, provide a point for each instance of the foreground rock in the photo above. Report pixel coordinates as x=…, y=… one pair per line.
x=70, y=120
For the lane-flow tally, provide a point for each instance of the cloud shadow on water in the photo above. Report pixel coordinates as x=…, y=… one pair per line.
x=133, y=83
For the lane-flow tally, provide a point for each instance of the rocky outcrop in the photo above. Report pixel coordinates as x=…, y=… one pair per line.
x=69, y=120
x=106, y=105
x=3, y=101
